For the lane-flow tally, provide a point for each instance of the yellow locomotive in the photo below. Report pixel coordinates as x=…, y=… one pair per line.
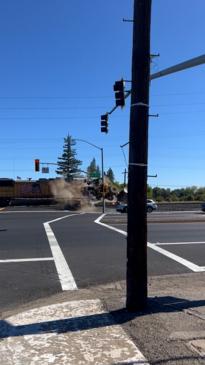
x=71, y=195
x=20, y=191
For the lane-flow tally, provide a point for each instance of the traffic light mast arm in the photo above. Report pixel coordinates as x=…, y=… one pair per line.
x=49, y=163
x=193, y=62
x=180, y=67
x=167, y=71
x=115, y=107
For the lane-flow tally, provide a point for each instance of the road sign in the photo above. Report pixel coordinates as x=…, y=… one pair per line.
x=95, y=174
x=45, y=170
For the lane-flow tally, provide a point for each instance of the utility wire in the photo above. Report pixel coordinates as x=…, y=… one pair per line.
x=90, y=117
x=51, y=108
x=94, y=97
x=91, y=107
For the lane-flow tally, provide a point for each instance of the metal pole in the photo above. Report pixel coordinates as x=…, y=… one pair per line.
x=102, y=163
x=103, y=180
x=138, y=159
x=125, y=176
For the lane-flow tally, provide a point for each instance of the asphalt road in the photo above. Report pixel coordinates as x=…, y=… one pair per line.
x=36, y=257
x=24, y=276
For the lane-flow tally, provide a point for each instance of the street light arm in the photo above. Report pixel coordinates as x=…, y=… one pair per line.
x=91, y=144
x=102, y=164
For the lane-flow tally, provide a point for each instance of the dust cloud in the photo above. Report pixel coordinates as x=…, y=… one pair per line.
x=71, y=195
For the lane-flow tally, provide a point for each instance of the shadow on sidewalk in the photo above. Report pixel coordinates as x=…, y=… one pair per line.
x=177, y=360
x=155, y=305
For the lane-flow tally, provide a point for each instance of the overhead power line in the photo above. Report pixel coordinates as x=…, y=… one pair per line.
x=55, y=97
x=83, y=117
x=63, y=97
x=10, y=108
x=50, y=108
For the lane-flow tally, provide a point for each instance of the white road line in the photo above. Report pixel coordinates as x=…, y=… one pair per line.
x=180, y=243
x=65, y=276
x=175, y=212
x=34, y=211
x=176, y=258
x=98, y=221
x=65, y=216
x=27, y=260
x=154, y=247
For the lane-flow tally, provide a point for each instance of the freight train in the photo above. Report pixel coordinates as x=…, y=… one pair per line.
x=50, y=191
x=19, y=191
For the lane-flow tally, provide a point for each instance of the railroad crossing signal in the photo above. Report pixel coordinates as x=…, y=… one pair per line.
x=119, y=88
x=104, y=123
x=37, y=165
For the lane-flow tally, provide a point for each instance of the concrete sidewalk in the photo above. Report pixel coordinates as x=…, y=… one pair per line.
x=92, y=326
x=73, y=332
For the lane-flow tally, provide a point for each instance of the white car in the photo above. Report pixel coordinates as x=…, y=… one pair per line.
x=151, y=205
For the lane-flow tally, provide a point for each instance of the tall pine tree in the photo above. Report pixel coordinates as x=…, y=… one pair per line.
x=68, y=165
x=110, y=174
x=93, y=170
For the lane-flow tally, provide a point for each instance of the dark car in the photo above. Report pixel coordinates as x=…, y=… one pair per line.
x=121, y=207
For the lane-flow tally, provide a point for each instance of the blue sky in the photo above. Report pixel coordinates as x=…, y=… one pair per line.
x=59, y=61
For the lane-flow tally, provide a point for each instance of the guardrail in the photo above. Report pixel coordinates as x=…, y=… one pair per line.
x=177, y=206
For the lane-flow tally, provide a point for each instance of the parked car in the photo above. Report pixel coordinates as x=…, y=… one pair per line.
x=203, y=207
x=151, y=205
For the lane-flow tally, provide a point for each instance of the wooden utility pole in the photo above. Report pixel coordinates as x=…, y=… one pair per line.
x=138, y=153
x=125, y=177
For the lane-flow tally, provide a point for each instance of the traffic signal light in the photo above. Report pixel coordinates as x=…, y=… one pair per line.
x=119, y=88
x=104, y=123
x=37, y=165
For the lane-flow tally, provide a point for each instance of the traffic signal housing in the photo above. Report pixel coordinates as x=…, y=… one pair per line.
x=37, y=165
x=119, y=88
x=104, y=123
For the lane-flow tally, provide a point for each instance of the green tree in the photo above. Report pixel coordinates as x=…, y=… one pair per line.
x=68, y=165
x=98, y=172
x=110, y=174
x=149, y=192
x=199, y=194
x=156, y=194
x=93, y=170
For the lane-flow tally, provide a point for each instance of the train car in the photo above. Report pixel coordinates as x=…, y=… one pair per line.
x=71, y=195
x=6, y=191
x=42, y=191
x=32, y=189
x=24, y=192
